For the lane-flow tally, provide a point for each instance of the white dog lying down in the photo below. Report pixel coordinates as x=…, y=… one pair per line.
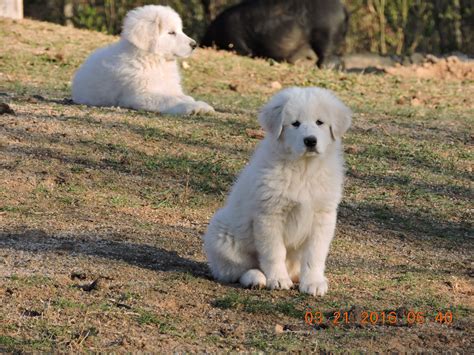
x=140, y=71
x=280, y=217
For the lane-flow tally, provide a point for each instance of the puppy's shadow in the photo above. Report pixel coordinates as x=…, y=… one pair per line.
x=141, y=255
x=67, y=101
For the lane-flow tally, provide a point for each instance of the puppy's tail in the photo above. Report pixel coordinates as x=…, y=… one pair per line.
x=253, y=278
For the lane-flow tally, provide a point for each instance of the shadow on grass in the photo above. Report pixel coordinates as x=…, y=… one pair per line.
x=418, y=188
x=141, y=255
x=418, y=155
x=381, y=218
x=208, y=173
x=220, y=121
x=212, y=175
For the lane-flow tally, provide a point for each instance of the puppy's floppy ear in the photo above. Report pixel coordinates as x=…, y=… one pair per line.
x=341, y=120
x=139, y=28
x=271, y=115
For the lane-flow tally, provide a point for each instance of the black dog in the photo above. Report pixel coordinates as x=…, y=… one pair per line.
x=285, y=30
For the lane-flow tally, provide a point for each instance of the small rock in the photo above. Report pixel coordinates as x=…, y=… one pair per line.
x=415, y=101
x=417, y=58
x=94, y=285
x=430, y=58
x=275, y=85
x=38, y=97
x=5, y=109
x=185, y=65
x=453, y=285
x=233, y=87
x=123, y=305
x=59, y=57
x=272, y=62
x=67, y=101
x=78, y=275
x=400, y=100
x=255, y=133
x=279, y=329
x=31, y=313
x=452, y=59
x=353, y=149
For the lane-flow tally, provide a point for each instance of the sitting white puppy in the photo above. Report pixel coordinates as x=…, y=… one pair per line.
x=140, y=71
x=280, y=217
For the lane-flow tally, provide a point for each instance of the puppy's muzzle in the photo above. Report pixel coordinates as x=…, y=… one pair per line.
x=193, y=45
x=310, y=143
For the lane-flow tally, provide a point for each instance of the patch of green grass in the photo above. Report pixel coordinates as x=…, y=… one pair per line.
x=12, y=209
x=233, y=300
x=68, y=200
x=75, y=188
x=129, y=296
x=65, y=303
x=461, y=311
x=153, y=133
x=77, y=169
x=32, y=280
x=148, y=317
x=147, y=226
x=209, y=175
x=280, y=342
x=8, y=342
x=12, y=344
x=212, y=339
x=9, y=326
x=54, y=333
x=120, y=201
x=41, y=190
x=105, y=306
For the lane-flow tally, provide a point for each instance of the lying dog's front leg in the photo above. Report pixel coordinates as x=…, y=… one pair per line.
x=184, y=105
x=272, y=252
x=172, y=105
x=315, y=252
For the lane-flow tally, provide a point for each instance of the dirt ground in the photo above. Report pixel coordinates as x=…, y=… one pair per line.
x=102, y=211
x=450, y=68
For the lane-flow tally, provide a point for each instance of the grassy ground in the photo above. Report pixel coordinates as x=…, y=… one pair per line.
x=102, y=209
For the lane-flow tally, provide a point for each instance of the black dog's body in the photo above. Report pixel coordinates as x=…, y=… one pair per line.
x=285, y=30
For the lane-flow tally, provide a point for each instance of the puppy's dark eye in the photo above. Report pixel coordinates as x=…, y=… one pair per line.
x=173, y=33
x=319, y=122
x=296, y=124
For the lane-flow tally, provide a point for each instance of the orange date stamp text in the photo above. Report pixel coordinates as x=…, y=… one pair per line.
x=409, y=317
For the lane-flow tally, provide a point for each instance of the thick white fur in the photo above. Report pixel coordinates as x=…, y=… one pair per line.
x=140, y=71
x=280, y=217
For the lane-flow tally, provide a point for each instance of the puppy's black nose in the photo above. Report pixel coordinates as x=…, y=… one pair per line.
x=193, y=45
x=310, y=141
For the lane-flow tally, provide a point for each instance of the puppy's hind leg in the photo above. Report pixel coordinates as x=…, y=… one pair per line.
x=228, y=257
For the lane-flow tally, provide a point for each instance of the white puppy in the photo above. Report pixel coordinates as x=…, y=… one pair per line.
x=280, y=217
x=140, y=71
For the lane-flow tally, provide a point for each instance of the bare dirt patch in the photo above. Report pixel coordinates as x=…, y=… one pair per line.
x=450, y=68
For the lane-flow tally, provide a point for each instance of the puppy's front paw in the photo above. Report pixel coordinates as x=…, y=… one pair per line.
x=202, y=107
x=283, y=283
x=317, y=288
x=253, y=278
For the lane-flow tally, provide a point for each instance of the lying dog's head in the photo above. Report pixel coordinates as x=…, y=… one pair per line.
x=305, y=120
x=159, y=30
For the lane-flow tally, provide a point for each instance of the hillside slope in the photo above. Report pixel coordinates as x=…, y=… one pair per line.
x=102, y=209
